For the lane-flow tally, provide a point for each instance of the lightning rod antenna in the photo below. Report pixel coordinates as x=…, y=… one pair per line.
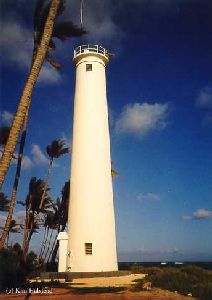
x=81, y=13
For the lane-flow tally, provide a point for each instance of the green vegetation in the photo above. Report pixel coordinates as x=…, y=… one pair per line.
x=13, y=270
x=189, y=279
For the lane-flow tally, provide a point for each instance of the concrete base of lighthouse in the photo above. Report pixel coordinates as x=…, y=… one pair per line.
x=64, y=256
x=75, y=275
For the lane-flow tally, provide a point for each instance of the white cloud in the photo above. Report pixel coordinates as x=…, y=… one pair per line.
x=98, y=19
x=141, y=119
x=2, y=219
x=27, y=163
x=15, y=35
x=20, y=216
x=49, y=75
x=38, y=157
x=204, y=102
x=148, y=197
x=204, y=98
x=200, y=213
x=6, y=117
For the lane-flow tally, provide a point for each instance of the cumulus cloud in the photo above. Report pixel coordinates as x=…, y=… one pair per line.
x=16, y=35
x=148, y=197
x=142, y=118
x=199, y=214
x=38, y=156
x=204, y=102
x=19, y=216
x=6, y=117
x=49, y=75
x=2, y=219
x=27, y=163
x=204, y=98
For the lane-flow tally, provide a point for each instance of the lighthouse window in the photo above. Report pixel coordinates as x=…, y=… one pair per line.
x=88, y=248
x=88, y=67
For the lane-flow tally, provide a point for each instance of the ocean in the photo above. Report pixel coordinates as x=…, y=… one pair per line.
x=128, y=265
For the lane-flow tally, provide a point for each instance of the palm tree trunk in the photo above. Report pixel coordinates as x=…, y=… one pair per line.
x=15, y=184
x=27, y=229
x=54, y=253
x=54, y=244
x=46, y=183
x=28, y=239
x=43, y=242
x=8, y=236
x=24, y=103
x=49, y=242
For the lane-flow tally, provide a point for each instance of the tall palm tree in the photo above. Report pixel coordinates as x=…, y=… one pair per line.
x=51, y=222
x=24, y=103
x=61, y=30
x=14, y=228
x=5, y=231
x=56, y=149
x=62, y=215
x=32, y=203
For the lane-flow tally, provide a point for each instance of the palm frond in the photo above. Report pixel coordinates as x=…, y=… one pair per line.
x=37, y=14
x=61, y=7
x=56, y=149
x=52, y=45
x=114, y=173
x=53, y=62
x=63, y=30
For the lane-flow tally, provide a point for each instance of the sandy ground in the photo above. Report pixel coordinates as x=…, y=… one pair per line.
x=61, y=294
x=79, y=290
x=107, y=281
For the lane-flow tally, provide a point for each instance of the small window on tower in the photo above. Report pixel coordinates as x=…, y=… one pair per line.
x=88, y=67
x=88, y=248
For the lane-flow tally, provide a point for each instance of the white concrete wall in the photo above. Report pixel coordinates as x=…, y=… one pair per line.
x=91, y=212
x=63, y=244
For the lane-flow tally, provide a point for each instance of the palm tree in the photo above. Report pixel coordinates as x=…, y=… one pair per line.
x=25, y=99
x=5, y=231
x=56, y=149
x=61, y=30
x=62, y=215
x=14, y=228
x=4, y=202
x=51, y=222
x=32, y=203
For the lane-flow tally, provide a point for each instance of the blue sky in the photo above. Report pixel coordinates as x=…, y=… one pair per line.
x=160, y=101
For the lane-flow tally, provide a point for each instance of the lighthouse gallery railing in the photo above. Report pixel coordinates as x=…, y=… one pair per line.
x=90, y=48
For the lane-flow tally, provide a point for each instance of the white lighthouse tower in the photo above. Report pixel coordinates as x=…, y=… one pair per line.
x=91, y=224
